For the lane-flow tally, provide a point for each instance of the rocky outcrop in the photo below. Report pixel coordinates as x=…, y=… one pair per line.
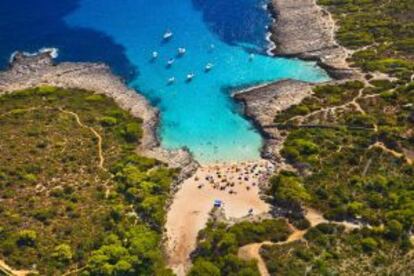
x=263, y=103
x=303, y=29
x=35, y=70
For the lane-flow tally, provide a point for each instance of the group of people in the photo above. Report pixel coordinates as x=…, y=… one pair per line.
x=229, y=178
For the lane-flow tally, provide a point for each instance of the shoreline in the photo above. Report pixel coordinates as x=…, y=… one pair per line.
x=262, y=102
x=31, y=70
x=316, y=42
x=270, y=51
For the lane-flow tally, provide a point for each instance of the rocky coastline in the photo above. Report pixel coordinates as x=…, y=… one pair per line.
x=261, y=104
x=304, y=30
x=301, y=29
x=28, y=71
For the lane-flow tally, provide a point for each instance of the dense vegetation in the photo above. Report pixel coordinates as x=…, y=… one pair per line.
x=64, y=206
x=352, y=145
x=341, y=170
x=381, y=32
x=329, y=250
x=219, y=243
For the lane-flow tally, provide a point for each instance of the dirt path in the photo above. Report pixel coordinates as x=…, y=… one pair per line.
x=357, y=106
x=252, y=251
x=353, y=102
x=392, y=152
x=332, y=109
x=78, y=121
x=95, y=133
x=8, y=271
x=190, y=209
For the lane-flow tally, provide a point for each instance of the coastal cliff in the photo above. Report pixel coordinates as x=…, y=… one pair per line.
x=35, y=70
x=305, y=30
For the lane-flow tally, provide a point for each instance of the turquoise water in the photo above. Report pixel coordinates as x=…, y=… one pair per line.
x=199, y=114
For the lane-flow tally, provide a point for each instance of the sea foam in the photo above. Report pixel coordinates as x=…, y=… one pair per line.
x=53, y=52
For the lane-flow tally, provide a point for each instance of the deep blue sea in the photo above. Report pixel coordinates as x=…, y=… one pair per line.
x=124, y=33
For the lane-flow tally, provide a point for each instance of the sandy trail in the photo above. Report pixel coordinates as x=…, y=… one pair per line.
x=252, y=251
x=189, y=212
x=78, y=121
x=8, y=271
x=95, y=133
x=392, y=152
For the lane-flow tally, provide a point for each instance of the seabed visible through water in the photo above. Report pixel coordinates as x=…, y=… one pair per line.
x=198, y=114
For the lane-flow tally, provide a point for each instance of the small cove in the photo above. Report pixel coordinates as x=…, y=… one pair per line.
x=200, y=114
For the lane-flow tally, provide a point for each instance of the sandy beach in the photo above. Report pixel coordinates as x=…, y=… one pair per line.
x=236, y=185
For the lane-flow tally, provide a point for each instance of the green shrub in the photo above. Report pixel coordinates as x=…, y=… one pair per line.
x=369, y=244
x=287, y=189
x=132, y=132
x=95, y=98
x=26, y=238
x=30, y=177
x=62, y=253
x=203, y=268
x=44, y=214
x=393, y=229
x=301, y=224
x=108, y=121
x=46, y=90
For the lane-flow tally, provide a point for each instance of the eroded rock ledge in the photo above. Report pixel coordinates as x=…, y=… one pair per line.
x=31, y=71
x=261, y=104
x=305, y=30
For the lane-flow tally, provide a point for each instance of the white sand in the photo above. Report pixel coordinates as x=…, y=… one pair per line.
x=189, y=212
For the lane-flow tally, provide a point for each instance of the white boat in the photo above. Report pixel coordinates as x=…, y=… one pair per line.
x=190, y=77
x=181, y=51
x=154, y=55
x=170, y=62
x=167, y=35
x=171, y=80
x=208, y=67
